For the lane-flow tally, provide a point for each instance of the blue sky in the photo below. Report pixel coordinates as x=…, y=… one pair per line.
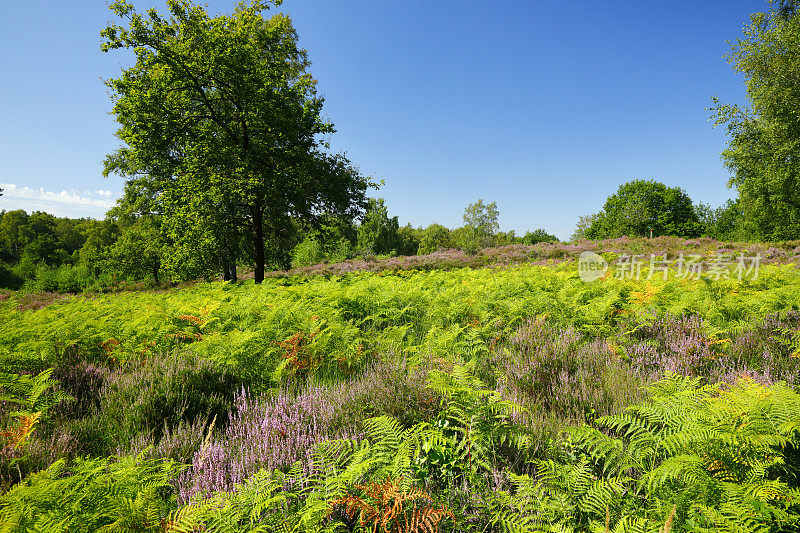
x=542, y=106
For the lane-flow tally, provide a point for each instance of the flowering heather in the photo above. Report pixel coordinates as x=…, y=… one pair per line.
x=385, y=388
x=269, y=433
x=558, y=374
x=546, y=253
x=83, y=381
x=682, y=345
x=38, y=453
x=39, y=300
x=275, y=432
x=673, y=344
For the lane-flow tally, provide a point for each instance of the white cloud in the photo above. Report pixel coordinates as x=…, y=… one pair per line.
x=65, y=203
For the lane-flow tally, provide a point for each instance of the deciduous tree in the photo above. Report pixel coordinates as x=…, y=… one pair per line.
x=764, y=149
x=480, y=224
x=221, y=125
x=641, y=206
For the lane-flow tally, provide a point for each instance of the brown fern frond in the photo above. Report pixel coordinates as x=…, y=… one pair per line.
x=191, y=319
x=109, y=346
x=17, y=436
x=298, y=352
x=670, y=519
x=389, y=508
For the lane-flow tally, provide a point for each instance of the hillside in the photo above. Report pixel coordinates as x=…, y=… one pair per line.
x=229, y=379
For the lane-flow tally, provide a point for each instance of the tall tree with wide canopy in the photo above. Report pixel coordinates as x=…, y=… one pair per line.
x=764, y=149
x=641, y=206
x=222, y=132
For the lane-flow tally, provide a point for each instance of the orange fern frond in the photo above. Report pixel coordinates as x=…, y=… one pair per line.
x=387, y=507
x=17, y=436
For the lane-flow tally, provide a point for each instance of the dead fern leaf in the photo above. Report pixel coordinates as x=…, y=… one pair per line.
x=387, y=507
x=17, y=436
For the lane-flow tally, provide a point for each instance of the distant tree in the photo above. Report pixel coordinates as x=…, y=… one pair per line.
x=408, y=240
x=640, y=206
x=537, y=236
x=764, y=147
x=377, y=233
x=332, y=241
x=582, y=227
x=12, y=235
x=137, y=252
x=95, y=253
x=41, y=240
x=504, y=238
x=725, y=223
x=222, y=125
x=434, y=238
x=308, y=252
x=481, y=224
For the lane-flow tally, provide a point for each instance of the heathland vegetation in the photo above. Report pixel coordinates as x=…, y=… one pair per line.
x=339, y=372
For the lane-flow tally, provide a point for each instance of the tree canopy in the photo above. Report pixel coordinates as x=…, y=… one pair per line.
x=480, y=225
x=640, y=206
x=222, y=132
x=764, y=149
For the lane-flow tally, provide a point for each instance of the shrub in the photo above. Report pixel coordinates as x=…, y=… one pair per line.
x=273, y=432
x=308, y=252
x=689, y=458
x=148, y=402
x=557, y=373
x=8, y=278
x=269, y=433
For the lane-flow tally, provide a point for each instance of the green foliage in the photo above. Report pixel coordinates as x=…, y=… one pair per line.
x=378, y=233
x=582, y=227
x=222, y=125
x=308, y=252
x=24, y=403
x=640, y=206
x=8, y=279
x=414, y=311
x=434, y=238
x=40, y=250
x=408, y=240
x=28, y=392
x=696, y=458
x=475, y=422
x=726, y=222
x=131, y=494
x=763, y=136
x=537, y=236
x=480, y=226
x=137, y=252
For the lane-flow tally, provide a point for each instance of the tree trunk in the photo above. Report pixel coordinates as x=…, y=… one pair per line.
x=155, y=274
x=226, y=268
x=258, y=241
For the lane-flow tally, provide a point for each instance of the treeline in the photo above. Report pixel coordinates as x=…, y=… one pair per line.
x=41, y=252
x=647, y=208
x=380, y=235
